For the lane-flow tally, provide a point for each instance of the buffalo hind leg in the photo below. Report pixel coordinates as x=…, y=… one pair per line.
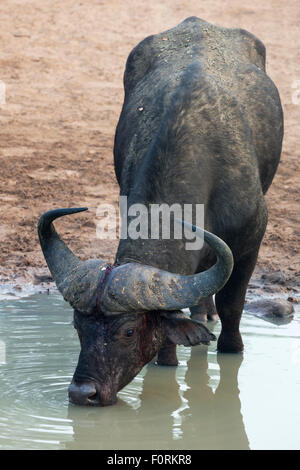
x=206, y=310
x=167, y=354
x=230, y=303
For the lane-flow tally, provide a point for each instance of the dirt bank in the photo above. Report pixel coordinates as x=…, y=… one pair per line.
x=62, y=63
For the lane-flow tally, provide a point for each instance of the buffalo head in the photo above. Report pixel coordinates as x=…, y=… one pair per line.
x=124, y=314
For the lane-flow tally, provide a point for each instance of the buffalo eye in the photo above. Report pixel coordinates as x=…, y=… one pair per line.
x=129, y=332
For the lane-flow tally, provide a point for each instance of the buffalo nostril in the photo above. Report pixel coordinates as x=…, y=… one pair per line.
x=83, y=394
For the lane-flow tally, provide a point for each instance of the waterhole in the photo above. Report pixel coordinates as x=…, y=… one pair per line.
x=210, y=401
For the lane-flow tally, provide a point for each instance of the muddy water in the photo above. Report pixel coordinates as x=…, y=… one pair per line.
x=210, y=401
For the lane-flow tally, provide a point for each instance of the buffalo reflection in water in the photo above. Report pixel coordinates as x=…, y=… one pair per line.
x=172, y=412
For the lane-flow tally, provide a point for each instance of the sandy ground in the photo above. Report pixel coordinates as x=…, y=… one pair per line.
x=62, y=64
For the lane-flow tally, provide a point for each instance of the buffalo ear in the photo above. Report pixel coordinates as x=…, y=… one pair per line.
x=186, y=331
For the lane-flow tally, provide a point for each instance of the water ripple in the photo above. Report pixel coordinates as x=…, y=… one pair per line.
x=196, y=405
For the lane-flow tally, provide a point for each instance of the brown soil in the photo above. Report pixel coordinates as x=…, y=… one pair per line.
x=62, y=63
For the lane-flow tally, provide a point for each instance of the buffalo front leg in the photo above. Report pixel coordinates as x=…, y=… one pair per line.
x=167, y=354
x=206, y=310
x=230, y=303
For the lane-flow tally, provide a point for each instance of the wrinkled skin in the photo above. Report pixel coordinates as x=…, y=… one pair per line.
x=115, y=348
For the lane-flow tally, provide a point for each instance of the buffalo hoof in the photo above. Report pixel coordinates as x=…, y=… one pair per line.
x=204, y=312
x=204, y=317
x=230, y=343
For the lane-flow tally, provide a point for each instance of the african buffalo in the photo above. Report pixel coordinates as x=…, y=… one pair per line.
x=201, y=123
